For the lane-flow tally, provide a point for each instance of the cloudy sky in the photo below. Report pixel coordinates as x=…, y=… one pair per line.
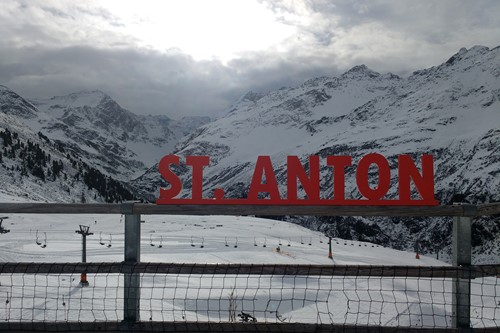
x=196, y=57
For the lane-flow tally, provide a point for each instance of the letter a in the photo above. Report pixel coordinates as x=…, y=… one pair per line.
x=263, y=167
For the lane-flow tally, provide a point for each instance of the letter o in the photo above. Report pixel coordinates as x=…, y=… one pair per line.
x=384, y=176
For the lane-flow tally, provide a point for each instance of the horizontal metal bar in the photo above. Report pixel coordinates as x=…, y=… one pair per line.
x=153, y=326
x=468, y=272
x=152, y=209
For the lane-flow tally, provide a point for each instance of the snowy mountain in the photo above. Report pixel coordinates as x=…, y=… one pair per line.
x=120, y=142
x=99, y=130
x=97, y=143
x=450, y=111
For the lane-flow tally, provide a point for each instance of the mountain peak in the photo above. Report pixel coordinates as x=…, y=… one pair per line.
x=82, y=98
x=463, y=53
x=252, y=96
x=13, y=104
x=360, y=72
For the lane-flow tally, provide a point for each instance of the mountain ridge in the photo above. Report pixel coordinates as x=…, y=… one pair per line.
x=449, y=110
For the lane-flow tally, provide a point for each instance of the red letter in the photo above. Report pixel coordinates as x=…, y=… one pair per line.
x=295, y=171
x=424, y=182
x=384, y=176
x=339, y=163
x=169, y=176
x=263, y=166
x=197, y=162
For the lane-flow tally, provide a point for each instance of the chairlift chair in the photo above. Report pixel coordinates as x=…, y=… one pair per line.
x=44, y=241
x=100, y=239
x=37, y=241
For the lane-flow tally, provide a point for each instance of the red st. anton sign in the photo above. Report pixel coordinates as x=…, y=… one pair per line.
x=264, y=182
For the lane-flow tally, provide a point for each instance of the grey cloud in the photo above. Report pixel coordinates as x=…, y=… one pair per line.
x=146, y=81
x=143, y=81
x=57, y=12
x=41, y=57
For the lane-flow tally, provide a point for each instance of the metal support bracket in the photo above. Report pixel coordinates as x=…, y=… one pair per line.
x=132, y=255
x=462, y=257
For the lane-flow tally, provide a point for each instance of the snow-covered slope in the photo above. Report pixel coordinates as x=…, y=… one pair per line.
x=36, y=168
x=450, y=111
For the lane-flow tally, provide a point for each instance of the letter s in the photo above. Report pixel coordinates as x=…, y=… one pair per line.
x=170, y=177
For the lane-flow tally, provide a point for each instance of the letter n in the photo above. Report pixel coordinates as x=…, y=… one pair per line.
x=424, y=181
x=296, y=171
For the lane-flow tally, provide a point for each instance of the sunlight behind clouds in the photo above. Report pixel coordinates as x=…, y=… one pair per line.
x=220, y=29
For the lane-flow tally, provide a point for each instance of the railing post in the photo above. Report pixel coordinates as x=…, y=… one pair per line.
x=132, y=253
x=462, y=254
